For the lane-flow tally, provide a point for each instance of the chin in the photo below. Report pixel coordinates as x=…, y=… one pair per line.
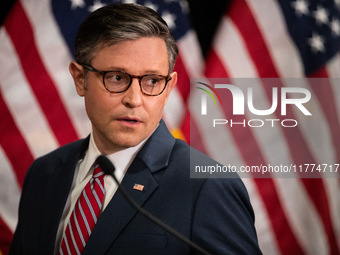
x=127, y=143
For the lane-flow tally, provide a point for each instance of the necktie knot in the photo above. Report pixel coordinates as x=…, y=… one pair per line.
x=98, y=174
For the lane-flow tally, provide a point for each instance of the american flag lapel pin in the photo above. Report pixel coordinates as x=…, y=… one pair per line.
x=138, y=187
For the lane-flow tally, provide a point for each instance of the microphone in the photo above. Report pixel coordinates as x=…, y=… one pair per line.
x=108, y=168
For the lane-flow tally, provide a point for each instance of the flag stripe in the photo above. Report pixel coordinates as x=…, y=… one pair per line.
x=333, y=69
x=254, y=40
x=333, y=189
x=316, y=189
x=273, y=32
x=224, y=48
x=283, y=235
x=279, y=222
x=218, y=68
x=232, y=48
x=56, y=57
x=320, y=146
x=10, y=190
x=240, y=14
x=298, y=206
x=263, y=50
x=267, y=239
x=22, y=103
x=5, y=237
x=13, y=143
x=36, y=74
x=191, y=130
x=192, y=65
x=266, y=69
x=171, y=115
x=271, y=154
x=183, y=79
x=324, y=93
x=191, y=55
x=269, y=19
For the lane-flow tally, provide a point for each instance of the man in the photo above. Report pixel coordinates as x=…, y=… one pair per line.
x=124, y=60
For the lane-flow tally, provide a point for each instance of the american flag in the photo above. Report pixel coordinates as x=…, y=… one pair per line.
x=40, y=109
x=297, y=39
x=138, y=187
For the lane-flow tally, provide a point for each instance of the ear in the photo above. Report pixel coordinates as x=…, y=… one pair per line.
x=172, y=83
x=77, y=73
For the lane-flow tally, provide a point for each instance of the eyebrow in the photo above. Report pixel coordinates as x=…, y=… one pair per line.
x=150, y=71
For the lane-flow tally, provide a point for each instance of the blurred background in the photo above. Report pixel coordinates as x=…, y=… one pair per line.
x=291, y=39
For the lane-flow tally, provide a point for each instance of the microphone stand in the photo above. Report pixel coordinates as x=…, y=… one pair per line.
x=106, y=164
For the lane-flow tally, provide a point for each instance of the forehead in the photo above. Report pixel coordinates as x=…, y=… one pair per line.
x=145, y=52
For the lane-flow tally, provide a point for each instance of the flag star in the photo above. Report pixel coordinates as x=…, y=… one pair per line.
x=151, y=5
x=321, y=15
x=169, y=19
x=96, y=5
x=129, y=1
x=317, y=43
x=335, y=27
x=301, y=7
x=184, y=6
x=77, y=3
x=337, y=3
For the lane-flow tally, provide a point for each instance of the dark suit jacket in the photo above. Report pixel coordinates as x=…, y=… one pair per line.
x=214, y=213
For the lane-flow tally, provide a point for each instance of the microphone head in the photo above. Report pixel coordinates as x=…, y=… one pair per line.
x=106, y=165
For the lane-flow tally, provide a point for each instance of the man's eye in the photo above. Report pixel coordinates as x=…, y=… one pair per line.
x=112, y=77
x=153, y=80
x=116, y=78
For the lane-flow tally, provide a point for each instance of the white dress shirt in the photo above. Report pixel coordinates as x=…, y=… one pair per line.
x=83, y=173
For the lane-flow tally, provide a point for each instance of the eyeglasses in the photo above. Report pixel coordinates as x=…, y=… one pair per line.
x=119, y=81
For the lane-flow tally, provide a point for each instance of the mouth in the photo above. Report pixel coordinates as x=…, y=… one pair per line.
x=131, y=121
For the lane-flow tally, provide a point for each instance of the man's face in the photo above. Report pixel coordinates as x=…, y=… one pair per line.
x=122, y=120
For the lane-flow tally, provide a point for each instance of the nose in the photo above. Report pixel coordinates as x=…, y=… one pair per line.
x=133, y=96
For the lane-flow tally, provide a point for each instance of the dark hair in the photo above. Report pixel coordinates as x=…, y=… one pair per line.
x=116, y=23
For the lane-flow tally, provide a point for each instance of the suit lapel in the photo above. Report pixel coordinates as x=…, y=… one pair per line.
x=119, y=212
x=58, y=189
x=153, y=157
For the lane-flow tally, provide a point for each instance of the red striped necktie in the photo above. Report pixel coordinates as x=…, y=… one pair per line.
x=84, y=215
